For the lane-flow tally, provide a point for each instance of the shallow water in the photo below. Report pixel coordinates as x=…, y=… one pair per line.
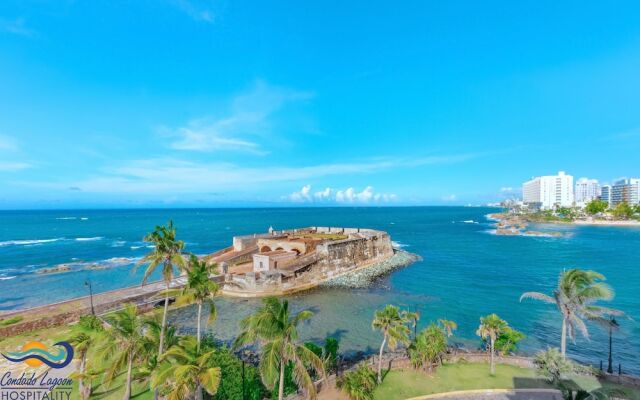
x=466, y=271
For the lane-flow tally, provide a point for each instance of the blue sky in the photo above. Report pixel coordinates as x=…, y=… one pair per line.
x=219, y=103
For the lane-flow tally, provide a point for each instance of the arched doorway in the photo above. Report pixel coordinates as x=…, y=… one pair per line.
x=265, y=249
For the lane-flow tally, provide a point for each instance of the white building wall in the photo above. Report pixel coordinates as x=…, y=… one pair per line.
x=548, y=192
x=586, y=191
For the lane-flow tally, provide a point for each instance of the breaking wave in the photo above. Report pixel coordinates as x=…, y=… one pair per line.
x=28, y=242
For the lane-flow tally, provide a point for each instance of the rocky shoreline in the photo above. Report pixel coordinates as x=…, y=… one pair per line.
x=516, y=225
x=364, y=277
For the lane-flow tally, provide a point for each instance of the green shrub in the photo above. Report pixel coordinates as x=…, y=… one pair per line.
x=231, y=379
x=359, y=383
x=11, y=321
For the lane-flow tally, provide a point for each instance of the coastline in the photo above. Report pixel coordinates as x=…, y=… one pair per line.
x=523, y=220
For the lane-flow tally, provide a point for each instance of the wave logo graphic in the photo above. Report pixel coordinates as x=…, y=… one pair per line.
x=36, y=354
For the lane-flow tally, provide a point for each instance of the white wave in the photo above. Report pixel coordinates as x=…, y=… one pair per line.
x=398, y=245
x=64, y=218
x=28, y=242
x=84, y=219
x=135, y=247
x=118, y=243
x=470, y=221
x=6, y=278
x=89, y=239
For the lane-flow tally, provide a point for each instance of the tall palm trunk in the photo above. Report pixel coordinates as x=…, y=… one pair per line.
x=384, y=342
x=199, y=323
x=162, y=329
x=127, y=387
x=281, y=386
x=563, y=338
x=81, y=386
x=493, y=349
x=199, y=387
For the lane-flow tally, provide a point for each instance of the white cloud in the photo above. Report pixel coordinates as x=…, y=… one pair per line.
x=303, y=195
x=451, y=197
x=506, y=189
x=248, y=120
x=16, y=26
x=195, y=12
x=323, y=194
x=349, y=195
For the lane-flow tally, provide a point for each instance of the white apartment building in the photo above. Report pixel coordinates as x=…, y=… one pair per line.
x=625, y=190
x=548, y=192
x=586, y=190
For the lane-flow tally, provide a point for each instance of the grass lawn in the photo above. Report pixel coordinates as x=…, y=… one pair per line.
x=403, y=384
x=46, y=335
x=139, y=391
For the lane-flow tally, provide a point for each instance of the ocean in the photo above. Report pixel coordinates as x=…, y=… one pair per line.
x=466, y=271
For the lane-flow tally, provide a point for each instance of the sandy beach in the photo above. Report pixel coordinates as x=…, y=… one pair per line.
x=607, y=223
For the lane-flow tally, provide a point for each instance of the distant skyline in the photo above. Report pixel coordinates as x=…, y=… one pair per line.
x=182, y=103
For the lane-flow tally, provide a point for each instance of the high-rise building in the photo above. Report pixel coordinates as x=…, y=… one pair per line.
x=586, y=190
x=605, y=194
x=625, y=190
x=548, y=192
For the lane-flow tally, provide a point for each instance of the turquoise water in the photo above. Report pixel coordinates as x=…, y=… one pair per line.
x=466, y=271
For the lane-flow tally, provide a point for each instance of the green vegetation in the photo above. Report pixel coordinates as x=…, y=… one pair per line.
x=575, y=297
x=573, y=380
x=491, y=326
x=359, y=383
x=596, y=207
x=11, y=321
x=185, y=370
x=623, y=211
x=400, y=384
x=123, y=345
x=550, y=216
x=200, y=289
x=167, y=254
x=231, y=376
x=507, y=341
x=276, y=330
x=428, y=348
x=86, y=334
x=448, y=326
x=393, y=324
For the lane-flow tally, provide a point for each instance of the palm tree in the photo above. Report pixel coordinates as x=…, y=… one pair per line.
x=428, y=347
x=167, y=253
x=85, y=335
x=185, y=369
x=448, y=326
x=276, y=329
x=200, y=289
x=122, y=344
x=575, y=295
x=359, y=383
x=393, y=324
x=490, y=327
x=151, y=340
